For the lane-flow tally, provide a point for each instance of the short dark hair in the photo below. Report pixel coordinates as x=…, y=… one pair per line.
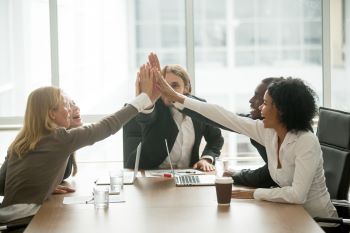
x=270, y=80
x=296, y=103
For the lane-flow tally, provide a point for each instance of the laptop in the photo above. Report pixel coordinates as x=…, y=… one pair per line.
x=189, y=180
x=129, y=177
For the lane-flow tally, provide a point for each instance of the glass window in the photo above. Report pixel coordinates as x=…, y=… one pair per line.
x=340, y=41
x=263, y=39
x=312, y=33
x=267, y=35
x=266, y=9
x=24, y=52
x=245, y=9
x=237, y=44
x=105, y=42
x=291, y=34
x=167, y=29
x=6, y=138
x=244, y=34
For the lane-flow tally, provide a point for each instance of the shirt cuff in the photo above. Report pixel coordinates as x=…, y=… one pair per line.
x=208, y=157
x=148, y=111
x=179, y=106
x=141, y=102
x=259, y=194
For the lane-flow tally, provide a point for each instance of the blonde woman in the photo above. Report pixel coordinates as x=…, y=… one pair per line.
x=37, y=158
x=75, y=121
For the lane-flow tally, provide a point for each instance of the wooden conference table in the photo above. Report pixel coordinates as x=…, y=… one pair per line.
x=157, y=205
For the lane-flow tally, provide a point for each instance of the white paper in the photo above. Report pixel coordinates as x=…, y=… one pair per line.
x=104, y=180
x=157, y=173
x=90, y=200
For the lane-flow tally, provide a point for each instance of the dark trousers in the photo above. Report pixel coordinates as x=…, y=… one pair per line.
x=258, y=178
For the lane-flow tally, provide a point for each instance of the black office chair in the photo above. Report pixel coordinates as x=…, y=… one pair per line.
x=13, y=228
x=131, y=138
x=333, y=132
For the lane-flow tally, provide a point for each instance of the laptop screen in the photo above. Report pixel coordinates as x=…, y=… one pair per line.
x=137, y=160
x=171, y=164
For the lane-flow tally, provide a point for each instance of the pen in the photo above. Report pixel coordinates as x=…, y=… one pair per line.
x=168, y=175
x=163, y=174
x=187, y=172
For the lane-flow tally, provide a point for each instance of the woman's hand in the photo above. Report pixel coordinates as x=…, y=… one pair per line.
x=243, y=194
x=228, y=173
x=60, y=189
x=168, y=92
x=154, y=61
x=146, y=82
x=204, y=165
x=137, y=84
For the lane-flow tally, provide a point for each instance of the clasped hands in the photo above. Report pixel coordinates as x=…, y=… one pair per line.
x=150, y=80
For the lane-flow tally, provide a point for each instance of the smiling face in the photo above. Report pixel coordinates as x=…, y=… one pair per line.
x=269, y=112
x=60, y=115
x=75, y=120
x=177, y=84
x=257, y=100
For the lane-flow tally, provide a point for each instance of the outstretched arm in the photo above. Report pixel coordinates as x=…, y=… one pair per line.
x=251, y=128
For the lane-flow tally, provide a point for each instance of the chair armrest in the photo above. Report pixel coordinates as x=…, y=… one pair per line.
x=12, y=226
x=342, y=203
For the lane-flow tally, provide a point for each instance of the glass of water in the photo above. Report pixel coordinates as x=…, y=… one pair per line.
x=116, y=179
x=101, y=197
x=224, y=165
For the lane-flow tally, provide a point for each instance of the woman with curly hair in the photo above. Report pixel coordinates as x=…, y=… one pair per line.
x=294, y=154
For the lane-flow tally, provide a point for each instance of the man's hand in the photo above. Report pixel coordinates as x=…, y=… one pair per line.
x=60, y=189
x=204, y=165
x=228, y=173
x=243, y=194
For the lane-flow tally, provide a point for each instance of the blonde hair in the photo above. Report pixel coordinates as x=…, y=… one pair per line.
x=37, y=122
x=179, y=72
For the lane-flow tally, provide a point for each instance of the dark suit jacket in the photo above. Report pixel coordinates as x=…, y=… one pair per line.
x=160, y=125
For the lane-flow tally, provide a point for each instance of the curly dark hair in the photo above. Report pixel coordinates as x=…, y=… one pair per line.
x=296, y=103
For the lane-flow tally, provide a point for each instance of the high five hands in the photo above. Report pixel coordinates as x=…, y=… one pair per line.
x=146, y=82
x=152, y=71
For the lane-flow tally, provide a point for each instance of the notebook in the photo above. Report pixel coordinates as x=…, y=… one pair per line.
x=129, y=177
x=189, y=180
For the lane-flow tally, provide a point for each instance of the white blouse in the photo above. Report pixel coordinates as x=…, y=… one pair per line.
x=301, y=176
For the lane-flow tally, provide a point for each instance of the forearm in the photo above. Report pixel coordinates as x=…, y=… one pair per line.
x=88, y=135
x=243, y=125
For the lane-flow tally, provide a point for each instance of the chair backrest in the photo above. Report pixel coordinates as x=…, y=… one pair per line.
x=131, y=138
x=333, y=132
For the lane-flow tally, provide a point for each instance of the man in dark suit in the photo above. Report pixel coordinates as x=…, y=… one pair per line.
x=183, y=133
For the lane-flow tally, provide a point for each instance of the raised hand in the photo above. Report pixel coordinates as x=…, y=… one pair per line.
x=156, y=92
x=137, y=84
x=146, y=82
x=168, y=92
x=146, y=79
x=154, y=61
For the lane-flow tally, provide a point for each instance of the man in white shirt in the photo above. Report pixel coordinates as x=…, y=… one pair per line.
x=183, y=133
